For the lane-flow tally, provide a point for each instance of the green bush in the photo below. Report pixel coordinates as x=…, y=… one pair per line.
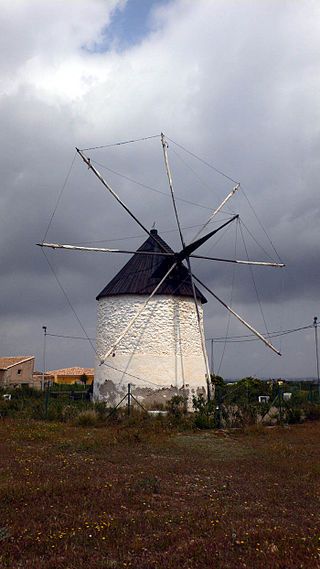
x=249, y=414
x=205, y=421
x=312, y=412
x=25, y=392
x=292, y=412
x=205, y=413
x=294, y=416
x=36, y=410
x=102, y=410
x=69, y=413
x=176, y=406
x=10, y=408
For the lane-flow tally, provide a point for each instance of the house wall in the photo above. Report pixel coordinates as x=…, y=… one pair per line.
x=18, y=374
x=160, y=356
x=71, y=379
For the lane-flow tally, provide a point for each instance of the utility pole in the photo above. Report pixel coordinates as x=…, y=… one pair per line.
x=315, y=324
x=280, y=404
x=211, y=371
x=44, y=328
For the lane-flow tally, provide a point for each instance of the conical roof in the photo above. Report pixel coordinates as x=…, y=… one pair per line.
x=142, y=273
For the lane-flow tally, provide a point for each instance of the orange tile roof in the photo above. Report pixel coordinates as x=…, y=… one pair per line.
x=10, y=361
x=73, y=371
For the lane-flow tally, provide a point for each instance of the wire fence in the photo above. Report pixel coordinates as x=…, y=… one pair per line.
x=246, y=402
x=252, y=401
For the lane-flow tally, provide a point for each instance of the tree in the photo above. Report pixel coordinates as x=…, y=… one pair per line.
x=218, y=381
x=84, y=379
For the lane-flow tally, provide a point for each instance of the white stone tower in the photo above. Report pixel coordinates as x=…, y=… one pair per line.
x=161, y=355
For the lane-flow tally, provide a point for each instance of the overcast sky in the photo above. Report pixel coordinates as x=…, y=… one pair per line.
x=235, y=83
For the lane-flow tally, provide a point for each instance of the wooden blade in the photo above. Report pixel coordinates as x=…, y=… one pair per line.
x=239, y=317
x=216, y=211
x=164, y=146
x=103, y=250
x=157, y=253
x=262, y=263
x=185, y=256
x=201, y=331
x=113, y=193
x=186, y=251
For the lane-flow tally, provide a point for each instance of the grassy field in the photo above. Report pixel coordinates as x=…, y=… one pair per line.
x=118, y=497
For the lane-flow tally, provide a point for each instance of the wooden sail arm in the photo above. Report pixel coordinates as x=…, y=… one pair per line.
x=113, y=193
x=253, y=330
x=164, y=147
x=104, y=250
x=186, y=251
x=200, y=327
x=184, y=254
x=215, y=212
x=156, y=253
x=258, y=263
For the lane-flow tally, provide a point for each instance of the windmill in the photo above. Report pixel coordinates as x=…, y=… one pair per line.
x=156, y=295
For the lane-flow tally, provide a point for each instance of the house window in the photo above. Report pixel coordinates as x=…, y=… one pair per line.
x=19, y=371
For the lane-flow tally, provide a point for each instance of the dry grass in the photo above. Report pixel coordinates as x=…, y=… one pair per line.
x=77, y=497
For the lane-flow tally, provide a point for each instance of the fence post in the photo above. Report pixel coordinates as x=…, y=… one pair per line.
x=129, y=398
x=280, y=405
x=219, y=407
x=47, y=401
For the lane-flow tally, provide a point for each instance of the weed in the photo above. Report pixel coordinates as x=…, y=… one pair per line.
x=311, y=412
x=149, y=483
x=88, y=417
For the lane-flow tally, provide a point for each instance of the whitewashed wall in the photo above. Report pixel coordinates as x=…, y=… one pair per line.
x=160, y=356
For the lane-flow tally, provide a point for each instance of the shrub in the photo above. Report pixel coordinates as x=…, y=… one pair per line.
x=10, y=408
x=69, y=413
x=35, y=411
x=25, y=392
x=206, y=414
x=101, y=409
x=176, y=406
x=311, y=412
x=87, y=418
x=293, y=414
x=249, y=414
x=205, y=421
x=54, y=412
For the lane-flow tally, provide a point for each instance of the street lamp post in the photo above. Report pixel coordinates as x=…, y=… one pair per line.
x=315, y=324
x=44, y=328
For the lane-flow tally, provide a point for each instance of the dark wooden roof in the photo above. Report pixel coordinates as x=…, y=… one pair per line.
x=142, y=273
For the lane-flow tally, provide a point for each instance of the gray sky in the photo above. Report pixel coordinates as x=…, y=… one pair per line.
x=236, y=83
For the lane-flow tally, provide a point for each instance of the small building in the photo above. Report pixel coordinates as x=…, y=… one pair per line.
x=263, y=398
x=287, y=396
x=161, y=356
x=72, y=375
x=16, y=371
